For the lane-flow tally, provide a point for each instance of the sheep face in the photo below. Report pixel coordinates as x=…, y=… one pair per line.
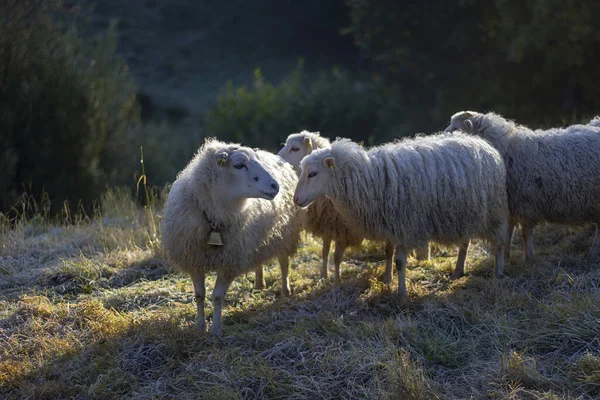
x=295, y=149
x=245, y=176
x=316, y=172
x=461, y=121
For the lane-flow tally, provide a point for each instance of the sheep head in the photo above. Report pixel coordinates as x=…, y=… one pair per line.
x=317, y=169
x=234, y=172
x=297, y=146
x=462, y=121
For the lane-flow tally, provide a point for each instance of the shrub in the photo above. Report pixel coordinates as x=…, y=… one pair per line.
x=67, y=105
x=332, y=103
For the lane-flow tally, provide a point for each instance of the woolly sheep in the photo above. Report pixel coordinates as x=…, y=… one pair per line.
x=552, y=175
x=446, y=188
x=595, y=121
x=245, y=196
x=322, y=220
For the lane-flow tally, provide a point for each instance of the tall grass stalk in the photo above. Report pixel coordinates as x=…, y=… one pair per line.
x=148, y=206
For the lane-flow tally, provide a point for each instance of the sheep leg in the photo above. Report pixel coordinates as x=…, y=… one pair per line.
x=459, y=271
x=199, y=295
x=595, y=249
x=218, y=298
x=284, y=264
x=527, y=232
x=501, y=251
x=422, y=253
x=400, y=258
x=340, y=247
x=259, y=278
x=511, y=229
x=389, y=257
x=326, y=247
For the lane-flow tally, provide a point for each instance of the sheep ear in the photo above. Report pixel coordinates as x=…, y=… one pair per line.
x=308, y=143
x=329, y=162
x=468, y=125
x=222, y=158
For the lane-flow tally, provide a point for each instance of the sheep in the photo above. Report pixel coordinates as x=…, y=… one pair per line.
x=595, y=121
x=322, y=220
x=241, y=198
x=552, y=175
x=445, y=187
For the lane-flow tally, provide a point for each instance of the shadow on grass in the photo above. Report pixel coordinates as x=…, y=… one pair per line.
x=475, y=336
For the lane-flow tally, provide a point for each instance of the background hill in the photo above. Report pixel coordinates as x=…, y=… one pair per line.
x=183, y=52
x=167, y=74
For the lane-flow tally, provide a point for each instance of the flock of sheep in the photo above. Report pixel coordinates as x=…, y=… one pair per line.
x=234, y=208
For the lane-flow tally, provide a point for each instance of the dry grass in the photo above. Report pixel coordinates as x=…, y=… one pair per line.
x=89, y=310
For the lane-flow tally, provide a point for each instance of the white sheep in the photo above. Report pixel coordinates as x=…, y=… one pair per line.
x=447, y=188
x=552, y=175
x=595, y=121
x=322, y=220
x=237, y=196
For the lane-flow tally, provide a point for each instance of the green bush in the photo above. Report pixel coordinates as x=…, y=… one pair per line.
x=332, y=103
x=67, y=105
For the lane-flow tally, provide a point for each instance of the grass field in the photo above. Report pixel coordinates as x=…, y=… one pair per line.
x=88, y=309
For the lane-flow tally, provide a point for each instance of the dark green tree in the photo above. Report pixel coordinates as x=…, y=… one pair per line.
x=67, y=105
x=534, y=61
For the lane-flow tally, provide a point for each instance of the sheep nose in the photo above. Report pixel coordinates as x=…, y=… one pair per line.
x=275, y=186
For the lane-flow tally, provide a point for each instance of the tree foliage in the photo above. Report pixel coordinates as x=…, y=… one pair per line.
x=67, y=105
x=534, y=61
x=332, y=103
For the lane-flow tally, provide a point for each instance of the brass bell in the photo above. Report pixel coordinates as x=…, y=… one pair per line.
x=215, y=239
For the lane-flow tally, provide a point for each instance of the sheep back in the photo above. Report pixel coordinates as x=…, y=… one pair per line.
x=446, y=188
x=552, y=175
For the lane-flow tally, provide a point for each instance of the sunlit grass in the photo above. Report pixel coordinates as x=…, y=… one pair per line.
x=91, y=310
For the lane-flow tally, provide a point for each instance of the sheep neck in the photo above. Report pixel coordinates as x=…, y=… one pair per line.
x=496, y=131
x=350, y=191
x=222, y=212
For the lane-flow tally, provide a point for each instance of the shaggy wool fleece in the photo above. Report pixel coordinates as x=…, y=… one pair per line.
x=254, y=230
x=448, y=188
x=552, y=175
x=322, y=220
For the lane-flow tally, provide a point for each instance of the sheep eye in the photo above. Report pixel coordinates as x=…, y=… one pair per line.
x=294, y=149
x=311, y=174
x=239, y=166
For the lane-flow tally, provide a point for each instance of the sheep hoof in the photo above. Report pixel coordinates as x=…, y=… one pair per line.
x=387, y=279
x=201, y=324
x=216, y=330
x=285, y=292
x=457, y=274
x=500, y=275
x=260, y=285
x=403, y=298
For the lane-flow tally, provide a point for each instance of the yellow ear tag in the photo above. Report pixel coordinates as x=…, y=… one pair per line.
x=331, y=164
x=223, y=160
x=308, y=144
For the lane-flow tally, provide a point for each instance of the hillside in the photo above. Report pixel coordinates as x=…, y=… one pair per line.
x=182, y=52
